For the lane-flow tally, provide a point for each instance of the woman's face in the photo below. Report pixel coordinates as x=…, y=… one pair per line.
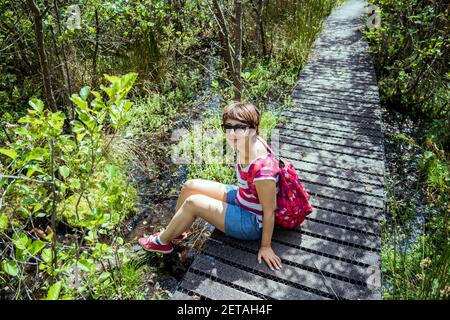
x=237, y=137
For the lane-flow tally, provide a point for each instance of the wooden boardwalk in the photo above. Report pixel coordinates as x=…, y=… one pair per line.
x=334, y=138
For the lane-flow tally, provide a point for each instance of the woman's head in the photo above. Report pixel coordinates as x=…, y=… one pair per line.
x=240, y=120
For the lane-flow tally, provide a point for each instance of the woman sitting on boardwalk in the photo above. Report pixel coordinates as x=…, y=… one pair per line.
x=246, y=211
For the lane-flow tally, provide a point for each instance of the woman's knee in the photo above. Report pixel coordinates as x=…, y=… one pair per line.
x=193, y=202
x=190, y=184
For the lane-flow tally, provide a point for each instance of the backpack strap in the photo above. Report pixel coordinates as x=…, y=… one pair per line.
x=281, y=163
x=265, y=144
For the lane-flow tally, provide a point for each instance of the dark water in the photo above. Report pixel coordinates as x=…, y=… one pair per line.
x=403, y=181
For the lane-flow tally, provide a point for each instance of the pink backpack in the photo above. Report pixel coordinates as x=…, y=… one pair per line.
x=292, y=200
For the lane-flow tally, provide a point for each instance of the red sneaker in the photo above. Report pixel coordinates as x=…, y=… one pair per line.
x=149, y=244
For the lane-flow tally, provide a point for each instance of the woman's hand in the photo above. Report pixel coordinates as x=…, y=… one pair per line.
x=272, y=260
x=267, y=194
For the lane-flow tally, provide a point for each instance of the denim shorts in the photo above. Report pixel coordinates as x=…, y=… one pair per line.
x=240, y=223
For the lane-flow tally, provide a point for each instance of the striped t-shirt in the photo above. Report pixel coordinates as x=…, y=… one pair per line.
x=264, y=167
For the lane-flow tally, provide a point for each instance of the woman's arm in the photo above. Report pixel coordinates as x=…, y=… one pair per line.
x=267, y=195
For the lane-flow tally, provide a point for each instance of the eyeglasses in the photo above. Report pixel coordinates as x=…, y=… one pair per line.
x=238, y=129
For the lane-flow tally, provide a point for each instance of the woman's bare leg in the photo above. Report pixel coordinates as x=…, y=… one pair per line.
x=197, y=205
x=209, y=188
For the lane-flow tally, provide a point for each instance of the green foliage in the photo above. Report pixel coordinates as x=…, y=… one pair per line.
x=114, y=37
x=157, y=110
x=54, y=291
x=417, y=271
x=410, y=51
x=124, y=283
x=268, y=80
x=415, y=243
x=269, y=120
x=72, y=177
x=82, y=174
x=436, y=172
x=202, y=149
x=298, y=26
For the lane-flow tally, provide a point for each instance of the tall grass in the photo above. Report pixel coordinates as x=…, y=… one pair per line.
x=415, y=252
x=301, y=23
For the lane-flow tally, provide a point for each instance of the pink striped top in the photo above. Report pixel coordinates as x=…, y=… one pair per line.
x=264, y=167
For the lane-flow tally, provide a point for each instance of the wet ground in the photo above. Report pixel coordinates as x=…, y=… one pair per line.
x=402, y=172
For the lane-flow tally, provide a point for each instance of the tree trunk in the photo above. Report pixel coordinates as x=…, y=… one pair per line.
x=95, y=56
x=227, y=49
x=258, y=9
x=237, y=83
x=39, y=34
x=232, y=55
x=261, y=27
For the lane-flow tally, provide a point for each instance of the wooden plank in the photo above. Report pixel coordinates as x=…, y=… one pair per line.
x=251, y=281
x=316, y=157
x=312, y=99
x=182, y=296
x=345, y=221
x=305, y=142
x=336, y=52
x=330, y=61
x=345, y=125
x=336, y=103
x=360, y=62
x=342, y=63
x=358, y=71
x=333, y=61
x=351, y=175
x=341, y=184
x=322, y=68
x=334, y=159
x=343, y=195
x=311, y=277
x=332, y=96
x=328, y=248
x=343, y=89
x=330, y=117
x=326, y=76
x=348, y=237
x=335, y=94
x=212, y=289
x=366, y=111
x=338, y=141
x=337, y=48
x=324, y=132
x=306, y=130
x=352, y=132
x=334, y=78
x=304, y=108
x=354, y=209
x=324, y=51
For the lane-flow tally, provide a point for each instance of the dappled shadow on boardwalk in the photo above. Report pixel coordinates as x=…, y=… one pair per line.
x=228, y=269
